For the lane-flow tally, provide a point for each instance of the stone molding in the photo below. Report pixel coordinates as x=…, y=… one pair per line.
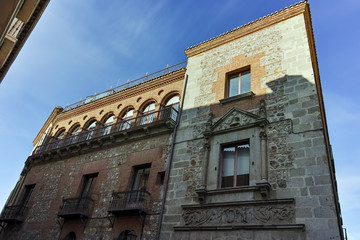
x=236, y=119
x=236, y=98
x=267, y=214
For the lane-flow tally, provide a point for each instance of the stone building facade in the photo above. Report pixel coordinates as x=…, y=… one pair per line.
x=234, y=146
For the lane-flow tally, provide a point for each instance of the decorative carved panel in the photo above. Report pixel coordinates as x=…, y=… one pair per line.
x=236, y=118
x=258, y=213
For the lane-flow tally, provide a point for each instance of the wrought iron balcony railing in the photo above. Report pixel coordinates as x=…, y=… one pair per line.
x=165, y=114
x=130, y=203
x=13, y=213
x=76, y=207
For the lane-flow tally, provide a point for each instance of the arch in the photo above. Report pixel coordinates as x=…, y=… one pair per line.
x=90, y=128
x=127, y=235
x=60, y=134
x=73, y=132
x=70, y=236
x=75, y=128
x=108, y=121
x=168, y=96
x=146, y=103
x=90, y=124
x=126, y=116
x=172, y=99
x=147, y=110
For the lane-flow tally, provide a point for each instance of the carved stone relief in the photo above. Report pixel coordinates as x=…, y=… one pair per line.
x=254, y=215
x=235, y=118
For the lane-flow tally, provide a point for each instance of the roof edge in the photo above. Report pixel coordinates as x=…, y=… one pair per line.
x=248, y=28
x=50, y=119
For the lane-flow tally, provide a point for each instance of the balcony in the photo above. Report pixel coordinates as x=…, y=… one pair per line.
x=130, y=203
x=144, y=123
x=76, y=208
x=13, y=214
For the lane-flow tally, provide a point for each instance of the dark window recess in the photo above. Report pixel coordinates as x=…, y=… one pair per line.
x=141, y=177
x=160, y=178
x=235, y=165
x=127, y=235
x=88, y=185
x=26, y=194
x=70, y=236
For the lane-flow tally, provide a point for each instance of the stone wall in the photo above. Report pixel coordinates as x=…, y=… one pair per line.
x=281, y=74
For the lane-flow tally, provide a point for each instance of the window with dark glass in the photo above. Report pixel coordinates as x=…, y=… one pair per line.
x=88, y=185
x=138, y=188
x=235, y=165
x=26, y=194
x=238, y=83
x=141, y=176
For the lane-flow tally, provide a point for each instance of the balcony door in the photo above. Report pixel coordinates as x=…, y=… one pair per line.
x=137, y=194
x=148, y=115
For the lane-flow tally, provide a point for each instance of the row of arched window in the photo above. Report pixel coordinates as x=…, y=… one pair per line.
x=147, y=114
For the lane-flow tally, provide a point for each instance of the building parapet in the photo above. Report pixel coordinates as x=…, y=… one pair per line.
x=128, y=84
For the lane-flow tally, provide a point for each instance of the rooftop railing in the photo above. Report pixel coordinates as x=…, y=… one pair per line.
x=166, y=114
x=128, y=84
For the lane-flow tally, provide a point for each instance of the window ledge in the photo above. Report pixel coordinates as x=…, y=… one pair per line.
x=237, y=97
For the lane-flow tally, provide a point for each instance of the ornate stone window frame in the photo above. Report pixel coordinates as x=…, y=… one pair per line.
x=235, y=126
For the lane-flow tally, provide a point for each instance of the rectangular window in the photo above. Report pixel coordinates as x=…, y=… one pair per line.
x=141, y=176
x=238, y=83
x=235, y=165
x=26, y=194
x=88, y=185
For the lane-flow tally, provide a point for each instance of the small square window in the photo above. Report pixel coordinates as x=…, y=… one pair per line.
x=238, y=83
x=235, y=165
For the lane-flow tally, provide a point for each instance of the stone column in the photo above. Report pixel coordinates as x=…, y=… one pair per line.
x=263, y=149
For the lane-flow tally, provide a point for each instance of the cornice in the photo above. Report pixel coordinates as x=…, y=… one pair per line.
x=256, y=25
x=50, y=119
x=125, y=93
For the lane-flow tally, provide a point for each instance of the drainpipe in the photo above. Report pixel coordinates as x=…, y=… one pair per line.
x=171, y=154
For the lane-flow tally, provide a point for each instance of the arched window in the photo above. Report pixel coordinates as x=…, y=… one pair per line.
x=108, y=124
x=148, y=115
x=90, y=129
x=70, y=236
x=61, y=135
x=174, y=101
x=127, y=235
x=73, y=134
x=58, y=139
x=126, y=119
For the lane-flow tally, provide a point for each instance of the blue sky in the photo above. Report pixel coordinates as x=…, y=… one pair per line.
x=83, y=47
